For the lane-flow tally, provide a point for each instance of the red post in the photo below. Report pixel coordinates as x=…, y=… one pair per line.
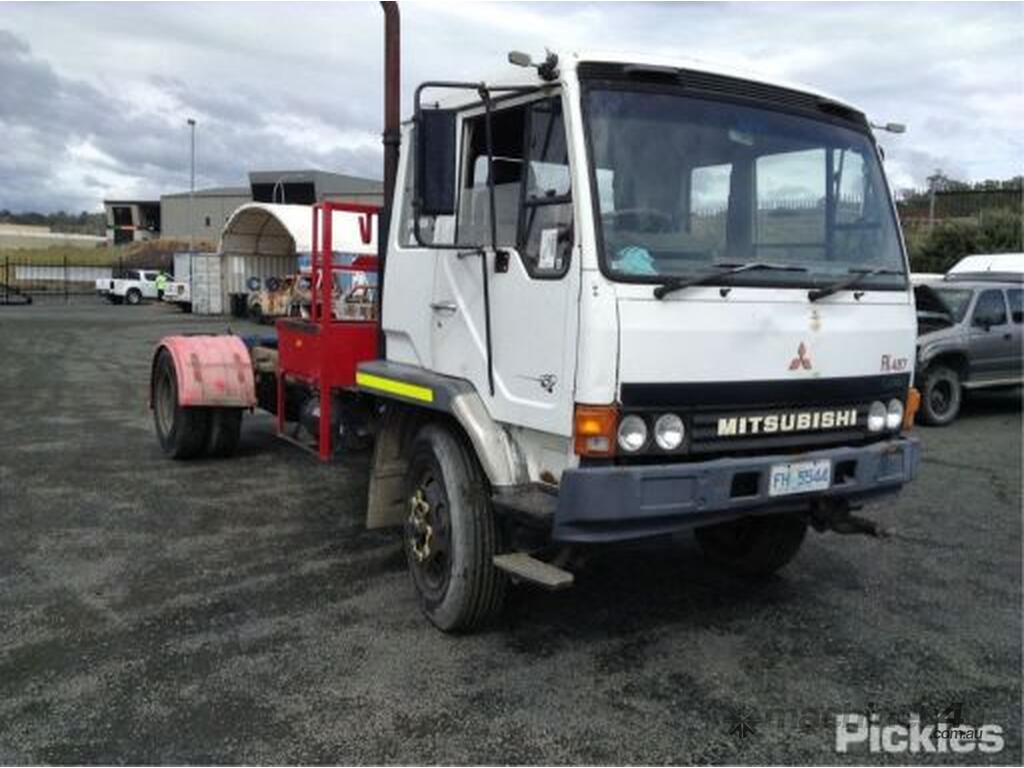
x=326, y=315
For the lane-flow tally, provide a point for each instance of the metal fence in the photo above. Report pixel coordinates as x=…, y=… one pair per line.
x=61, y=278
x=921, y=208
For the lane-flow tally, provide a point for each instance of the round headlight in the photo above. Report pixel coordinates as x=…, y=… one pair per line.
x=877, y=415
x=669, y=432
x=894, y=416
x=632, y=434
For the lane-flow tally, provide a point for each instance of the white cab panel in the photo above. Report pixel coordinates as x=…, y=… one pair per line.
x=757, y=334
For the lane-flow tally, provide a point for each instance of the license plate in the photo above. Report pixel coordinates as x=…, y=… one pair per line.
x=799, y=477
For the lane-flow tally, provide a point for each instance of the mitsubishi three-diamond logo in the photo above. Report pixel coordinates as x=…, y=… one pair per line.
x=801, y=360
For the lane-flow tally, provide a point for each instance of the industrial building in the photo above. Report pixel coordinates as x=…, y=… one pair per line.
x=130, y=221
x=308, y=187
x=212, y=208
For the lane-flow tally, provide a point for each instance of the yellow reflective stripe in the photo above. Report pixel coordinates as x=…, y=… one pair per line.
x=394, y=387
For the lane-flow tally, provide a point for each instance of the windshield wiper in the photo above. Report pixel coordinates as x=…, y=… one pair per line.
x=856, y=276
x=722, y=270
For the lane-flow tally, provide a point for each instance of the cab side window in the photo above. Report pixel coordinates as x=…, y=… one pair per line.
x=532, y=186
x=1016, y=312
x=990, y=309
x=546, y=231
x=474, y=222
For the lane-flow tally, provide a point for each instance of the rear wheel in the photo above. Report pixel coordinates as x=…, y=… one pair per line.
x=134, y=296
x=451, y=536
x=182, y=432
x=225, y=429
x=941, y=395
x=753, y=546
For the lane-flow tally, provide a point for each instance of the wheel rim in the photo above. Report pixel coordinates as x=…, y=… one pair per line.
x=941, y=397
x=428, y=536
x=165, y=404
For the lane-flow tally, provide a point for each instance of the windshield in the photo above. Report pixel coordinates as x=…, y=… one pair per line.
x=957, y=300
x=686, y=184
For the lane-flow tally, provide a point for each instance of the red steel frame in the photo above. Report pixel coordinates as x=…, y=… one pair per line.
x=323, y=352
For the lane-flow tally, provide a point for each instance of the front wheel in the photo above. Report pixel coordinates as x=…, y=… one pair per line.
x=941, y=395
x=451, y=536
x=753, y=546
x=133, y=297
x=182, y=432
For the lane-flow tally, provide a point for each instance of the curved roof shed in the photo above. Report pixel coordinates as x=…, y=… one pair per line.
x=268, y=229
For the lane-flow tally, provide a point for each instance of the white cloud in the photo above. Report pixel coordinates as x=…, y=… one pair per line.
x=96, y=94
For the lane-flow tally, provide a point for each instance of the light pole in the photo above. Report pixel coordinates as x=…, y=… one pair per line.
x=192, y=192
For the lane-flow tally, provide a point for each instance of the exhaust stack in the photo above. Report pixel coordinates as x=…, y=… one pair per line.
x=392, y=138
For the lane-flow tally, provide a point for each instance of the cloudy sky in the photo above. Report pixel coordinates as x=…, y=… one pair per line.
x=94, y=96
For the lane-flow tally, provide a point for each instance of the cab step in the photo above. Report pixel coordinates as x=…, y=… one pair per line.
x=520, y=565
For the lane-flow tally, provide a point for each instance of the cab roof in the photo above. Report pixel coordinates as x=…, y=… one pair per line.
x=511, y=75
x=697, y=65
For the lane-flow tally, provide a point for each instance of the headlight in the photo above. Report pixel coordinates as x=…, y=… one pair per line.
x=877, y=416
x=669, y=432
x=894, y=416
x=632, y=434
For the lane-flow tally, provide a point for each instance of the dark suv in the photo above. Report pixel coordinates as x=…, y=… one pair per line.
x=968, y=337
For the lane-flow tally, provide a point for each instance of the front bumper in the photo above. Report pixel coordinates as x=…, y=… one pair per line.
x=600, y=504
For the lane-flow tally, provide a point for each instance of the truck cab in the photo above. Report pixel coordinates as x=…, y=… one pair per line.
x=626, y=297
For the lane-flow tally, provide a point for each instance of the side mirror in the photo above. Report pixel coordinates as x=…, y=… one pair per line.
x=435, y=162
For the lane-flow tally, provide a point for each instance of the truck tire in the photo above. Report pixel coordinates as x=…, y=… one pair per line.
x=134, y=296
x=753, y=546
x=225, y=429
x=451, y=535
x=182, y=432
x=941, y=395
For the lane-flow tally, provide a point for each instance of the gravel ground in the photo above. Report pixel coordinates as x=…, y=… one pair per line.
x=236, y=611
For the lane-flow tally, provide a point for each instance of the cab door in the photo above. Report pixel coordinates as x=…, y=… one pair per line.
x=532, y=287
x=991, y=340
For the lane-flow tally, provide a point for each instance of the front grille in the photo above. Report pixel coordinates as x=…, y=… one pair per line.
x=702, y=405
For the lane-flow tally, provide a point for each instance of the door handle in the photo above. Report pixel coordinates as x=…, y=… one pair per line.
x=444, y=306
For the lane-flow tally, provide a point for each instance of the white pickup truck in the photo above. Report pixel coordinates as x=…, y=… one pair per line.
x=132, y=288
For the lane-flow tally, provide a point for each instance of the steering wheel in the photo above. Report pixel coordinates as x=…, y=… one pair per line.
x=656, y=221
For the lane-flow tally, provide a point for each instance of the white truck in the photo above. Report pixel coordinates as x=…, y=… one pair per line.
x=131, y=288
x=179, y=290
x=622, y=297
